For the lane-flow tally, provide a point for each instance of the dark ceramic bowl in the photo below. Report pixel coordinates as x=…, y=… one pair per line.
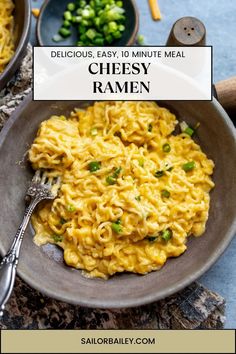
x=22, y=16
x=50, y=20
x=43, y=267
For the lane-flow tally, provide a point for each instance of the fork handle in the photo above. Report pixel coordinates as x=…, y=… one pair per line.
x=10, y=261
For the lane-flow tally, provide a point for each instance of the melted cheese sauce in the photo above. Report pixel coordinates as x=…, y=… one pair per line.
x=125, y=204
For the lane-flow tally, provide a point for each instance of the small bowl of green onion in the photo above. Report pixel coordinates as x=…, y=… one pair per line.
x=88, y=23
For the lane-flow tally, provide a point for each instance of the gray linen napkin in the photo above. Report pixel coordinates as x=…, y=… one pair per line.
x=195, y=307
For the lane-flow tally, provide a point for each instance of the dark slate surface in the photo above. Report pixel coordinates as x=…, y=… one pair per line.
x=194, y=308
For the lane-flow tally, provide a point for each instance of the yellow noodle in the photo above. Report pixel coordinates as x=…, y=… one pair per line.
x=7, y=46
x=130, y=136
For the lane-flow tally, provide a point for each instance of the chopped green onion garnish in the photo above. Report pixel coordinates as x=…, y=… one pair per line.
x=112, y=27
x=79, y=11
x=91, y=33
x=151, y=238
x=71, y=6
x=57, y=38
x=73, y=20
x=85, y=23
x=159, y=174
x=57, y=238
x=82, y=3
x=77, y=19
x=117, y=35
x=111, y=180
x=82, y=30
x=189, y=131
x=71, y=208
x=189, y=166
x=118, y=221
x=68, y=15
x=183, y=126
x=140, y=39
x=66, y=24
x=64, y=32
x=165, y=193
x=166, y=234
x=121, y=28
x=150, y=127
x=166, y=147
x=99, y=41
x=109, y=38
x=141, y=162
x=138, y=198
x=94, y=131
x=169, y=169
x=103, y=21
x=186, y=129
x=117, y=172
x=62, y=118
x=119, y=3
x=116, y=227
x=94, y=166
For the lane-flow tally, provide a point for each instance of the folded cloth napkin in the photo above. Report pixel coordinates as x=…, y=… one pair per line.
x=195, y=307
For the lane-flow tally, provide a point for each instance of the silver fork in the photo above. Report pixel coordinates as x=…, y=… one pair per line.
x=41, y=188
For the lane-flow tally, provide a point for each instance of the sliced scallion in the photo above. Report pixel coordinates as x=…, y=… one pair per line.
x=110, y=180
x=165, y=193
x=183, y=126
x=140, y=39
x=94, y=131
x=159, y=174
x=189, y=131
x=94, y=166
x=103, y=21
x=188, y=166
x=166, y=147
x=151, y=238
x=116, y=228
x=117, y=172
x=71, y=6
x=141, y=162
x=64, y=32
x=68, y=15
x=71, y=208
x=166, y=235
x=57, y=238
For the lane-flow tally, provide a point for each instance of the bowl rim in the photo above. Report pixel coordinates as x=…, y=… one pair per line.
x=19, y=52
x=129, y=43
x=174, y=288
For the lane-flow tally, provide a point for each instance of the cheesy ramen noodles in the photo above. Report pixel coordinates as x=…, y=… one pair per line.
x=131, y=193
x=6, y=33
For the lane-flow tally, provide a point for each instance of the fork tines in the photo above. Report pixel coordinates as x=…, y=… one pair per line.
x=44, y=187
x=41, y=177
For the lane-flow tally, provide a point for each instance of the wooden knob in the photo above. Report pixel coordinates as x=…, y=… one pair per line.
x=226, y=95
x=187, y=31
